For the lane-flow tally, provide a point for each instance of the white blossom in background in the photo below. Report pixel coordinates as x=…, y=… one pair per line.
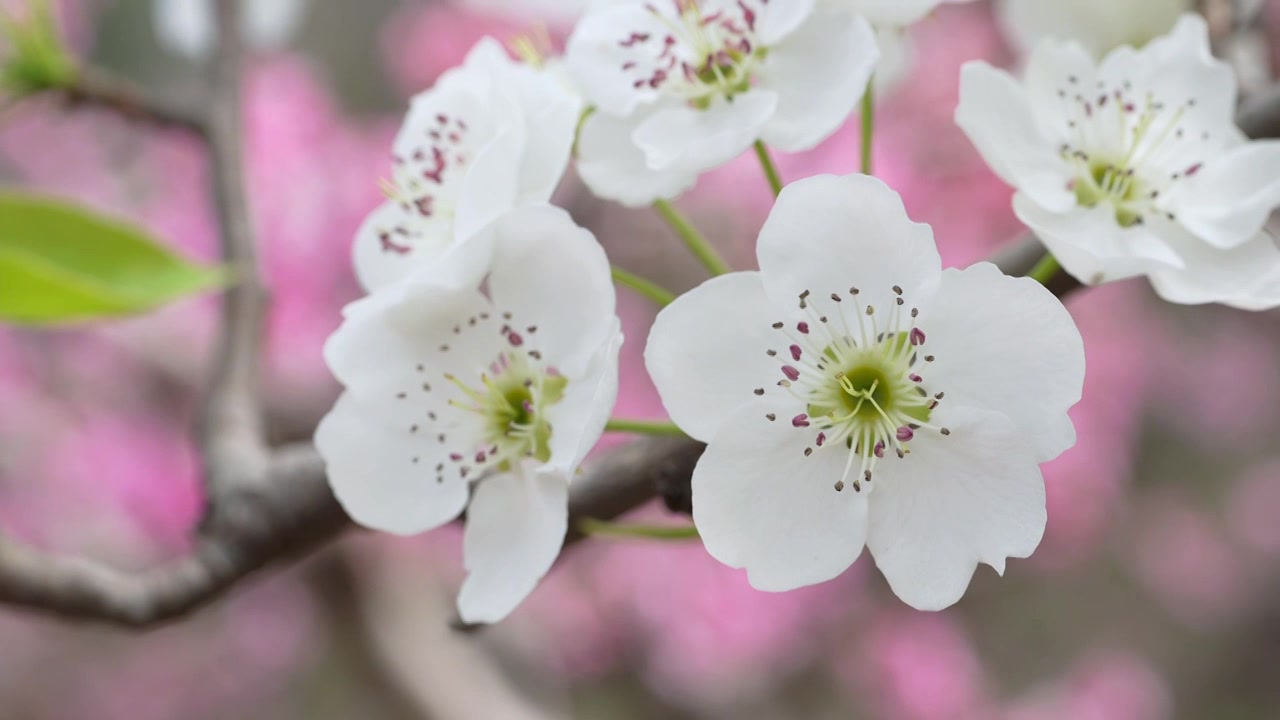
x=1099, y=25
x=682, y=86
x=453, y=394
x=890, y=19
x=492, y=135
x=186, y=27
x=1135, y=166
x=852, y=392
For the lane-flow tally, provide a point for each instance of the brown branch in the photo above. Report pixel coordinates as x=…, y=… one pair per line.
x=269, y=507
x=95, y=88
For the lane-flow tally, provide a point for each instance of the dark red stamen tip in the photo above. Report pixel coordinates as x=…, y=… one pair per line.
x=795, y=352
x=905, y=433
x=917, y=336
x=790, y=372
x=800, y=420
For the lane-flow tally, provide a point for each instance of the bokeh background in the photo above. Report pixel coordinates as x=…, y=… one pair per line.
x=1155, y=594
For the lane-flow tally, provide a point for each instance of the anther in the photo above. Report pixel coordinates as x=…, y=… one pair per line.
x=790, y=372
x=803, y=327
x=808, y=451
x=905, y=433
x=839, y=485
x=800, y=420
x=795, y=353
x=897, y=290
x=835, y=297
x=758, y=391
x=945, y=431
x=917, y=336
x=771, y=417
x=777, y=326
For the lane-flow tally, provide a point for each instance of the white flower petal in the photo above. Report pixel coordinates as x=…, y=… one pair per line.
x=599, y=50
x=1228, y=201
x=819, y=73
x=515, y=529
x=706, y=352
x=614, y=167
x=1178, y=67
x=491, y=184
x=1099, y=24
x=892, y=13
x=995, y=113
x=828, y=233
x=392, y=242
x=552, y=276
x=383, y=473
x=1090, y=245
x=700, y=140
x=777, y=20
x=1246, y=276
x=384, y=338
x=1007, y=345
x=974, y=496
x=760, y=504
x=1056, y=67
x=578, y=420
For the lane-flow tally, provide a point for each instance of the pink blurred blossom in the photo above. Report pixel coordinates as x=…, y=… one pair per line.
x=707, y=635
x=419, y=42
x=916, y=666
x=1189, y=566
x=110, y=485
x=1253, y=506
x=1106, y=686
x=1087, y=485
x=1223, y=368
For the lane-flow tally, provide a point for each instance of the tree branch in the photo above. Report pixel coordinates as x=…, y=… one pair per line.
x=266, y=507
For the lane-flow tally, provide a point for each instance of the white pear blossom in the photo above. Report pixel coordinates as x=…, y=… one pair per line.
x=1099, y=25
x=892, y=13
x=890, y=19
x=682, y=86
x=1134, y=166
x=498, y=396
x=852, y=392
x=492, y=135
x=186, y=27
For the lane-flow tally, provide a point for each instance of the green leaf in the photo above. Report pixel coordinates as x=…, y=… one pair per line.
x=60, y=263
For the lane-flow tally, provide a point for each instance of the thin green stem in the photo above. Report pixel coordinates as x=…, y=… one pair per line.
x=868, y=124
x=770, y=170
x=693, y=239
x=1045, y=269
x=600, y=528
x=642, y=427
x=649, y=289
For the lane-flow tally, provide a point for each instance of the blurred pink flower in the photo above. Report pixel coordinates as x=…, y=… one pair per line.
x=1111, y=686
x=1086, y=486
x=1234, y=406
x=1188, y=564
x=1253, y=506
x=419, y=42
x=916, y=666
x=119, y=487
x=707, y=636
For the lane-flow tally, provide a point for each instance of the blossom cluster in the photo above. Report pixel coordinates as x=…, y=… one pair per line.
x=851, y=392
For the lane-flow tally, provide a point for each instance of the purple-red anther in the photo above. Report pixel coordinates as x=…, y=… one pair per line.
x=915, y=378
x=822, y=437
x=803, y=327
x=795, y=352
x=800, y=420
x=917, y=336
x=790, y=372
x=905, y=433
x=514, y=338
x=879, y=449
